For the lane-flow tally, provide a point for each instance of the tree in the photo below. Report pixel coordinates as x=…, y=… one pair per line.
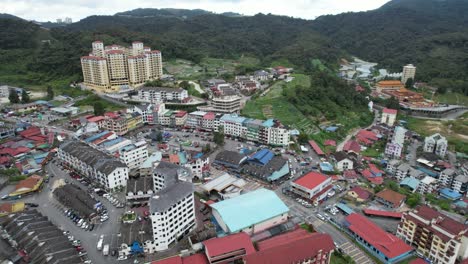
x=50, y=93
x=206, y=148
x=159, y=136
x=184, y=85
x=13, y=97
x=303, y=138
x=25, y=97
x=413, y=200
x=392, y=103
x=218, y=137
x=99, y=108
x=409, y=83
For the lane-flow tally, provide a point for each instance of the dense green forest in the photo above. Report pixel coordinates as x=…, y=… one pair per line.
x=431, y=34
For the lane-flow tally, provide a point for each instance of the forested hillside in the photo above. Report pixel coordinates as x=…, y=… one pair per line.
x=431, y=34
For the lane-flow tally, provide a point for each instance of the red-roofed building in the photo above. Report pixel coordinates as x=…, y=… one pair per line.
x=193, y=259
x=390, y=198
x=418, y=261
x=312, y=186
x=330, y=142
x=381, y=213
x=353, y=146
x=371, y=177
x=441, y=239
x=99, y=120
x=366, y=137
x=229, y=248
x=385, y=246
x=297, y=246
x=359, y=194
x=316, y=148
x=359, y=88
x=350, y=174
x=14, y=152
x=31, y=131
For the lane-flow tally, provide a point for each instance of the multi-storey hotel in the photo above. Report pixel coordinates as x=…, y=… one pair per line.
x=434, y=235
x=110, y=68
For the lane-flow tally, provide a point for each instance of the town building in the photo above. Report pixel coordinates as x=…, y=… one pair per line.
x=225, y=104
x=427, y=185
x=28, y=185
x=240, y=214
x=297, y=246
x=116, y=123
x=394, y=147
x=133, y=155
x=312, y=186
x=386, y=247
x=225, y=186
x=342, y=162
x=389, y=85
x=447, y=176
x=409, y=72
x=434, y=235
x=265, y=165
x=230, y=159
x=359, y=194
x=173, y=196
x=233, y=125
x=195, y=119
x=174, y=200
x=228, y=249
x=460, y=183
x=390, y=198
x=112, y=68
x=436, y=144
x=410, y=183
x=389, y=116
x=162, y=94
x=100, y=167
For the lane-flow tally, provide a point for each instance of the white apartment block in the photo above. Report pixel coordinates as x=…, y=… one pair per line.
x=172, y=215
x=277, y=136
x=195, y=119
x=460, y=184
x=198, y=165
x=226, y=104
x=427, y=185
x=134, y=154
x=110, y=68
x=172, y=208
x=409, y=71
x=402, y=171
x=100, y=167
x=392, y=166
x=162, y=94
x=233, y=125
x=436, y=144
x=447, y=176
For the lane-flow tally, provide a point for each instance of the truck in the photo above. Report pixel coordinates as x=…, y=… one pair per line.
x=99, y=243
x=105, y=251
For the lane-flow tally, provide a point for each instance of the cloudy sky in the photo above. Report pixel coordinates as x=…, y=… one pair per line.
x=49, y=10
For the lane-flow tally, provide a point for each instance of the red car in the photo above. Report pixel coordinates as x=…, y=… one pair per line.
x=146, y=213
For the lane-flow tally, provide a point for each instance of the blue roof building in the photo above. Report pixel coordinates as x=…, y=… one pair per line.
x=262, y=157
x=252, y=212
x=411, y=183
x=450, y=194
x=94, y=137
x=233, y=118
x=269, y=123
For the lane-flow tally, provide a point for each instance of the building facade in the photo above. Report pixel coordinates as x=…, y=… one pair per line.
x=107, y=171
x=162, y=94
x=409, y=71
x=134, y=154
x=110, y=68
x=434, y=235
x=436, y=144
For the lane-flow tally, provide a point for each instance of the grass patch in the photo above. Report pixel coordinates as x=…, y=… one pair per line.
x=194, y=92
x=91, y=99
x=375, y=150
x=456, y=131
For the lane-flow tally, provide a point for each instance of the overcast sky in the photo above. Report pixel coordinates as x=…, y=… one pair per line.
x=50, y=10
